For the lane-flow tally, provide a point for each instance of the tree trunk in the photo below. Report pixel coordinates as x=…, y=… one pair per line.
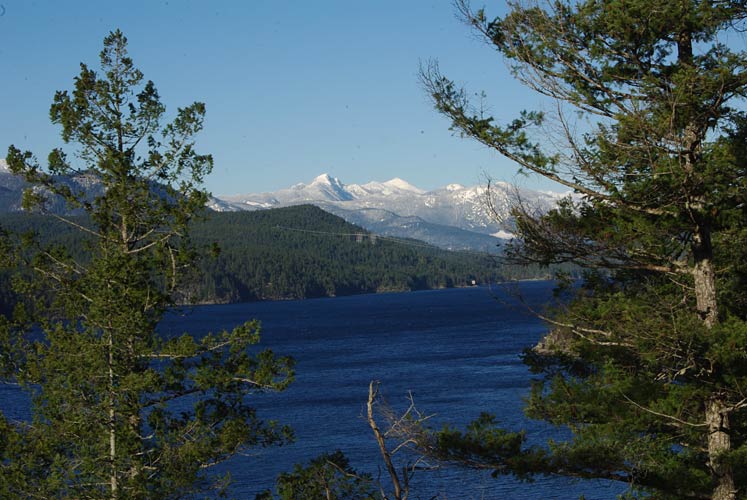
x=716, y=412
x=398, y=492
x=112, y=423
x=719, y=442
x=704, y=281
x=704, y=277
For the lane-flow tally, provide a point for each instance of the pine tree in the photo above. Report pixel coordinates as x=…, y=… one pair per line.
x=120, y=411
x=328, y=476
x=650, y=135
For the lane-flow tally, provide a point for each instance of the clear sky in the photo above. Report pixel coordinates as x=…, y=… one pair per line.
x=293, y=88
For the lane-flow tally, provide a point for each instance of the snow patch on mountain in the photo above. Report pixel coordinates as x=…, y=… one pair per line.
x=322, y=188
x=392, y=187
x=503, y=235
x=403, y=185
x=328, y=187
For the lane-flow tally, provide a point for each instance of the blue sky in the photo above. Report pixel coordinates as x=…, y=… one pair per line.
x=292, y=88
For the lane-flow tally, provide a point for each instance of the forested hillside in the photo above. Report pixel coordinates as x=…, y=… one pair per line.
x=294, y=252
x=302, y=251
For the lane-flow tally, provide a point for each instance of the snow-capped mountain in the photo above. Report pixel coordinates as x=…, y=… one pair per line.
x=376, y=205
x=453, y=217
x=391, y=187
x=324, y=188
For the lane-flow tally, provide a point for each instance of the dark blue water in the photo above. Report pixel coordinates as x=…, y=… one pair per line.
x=457, y=351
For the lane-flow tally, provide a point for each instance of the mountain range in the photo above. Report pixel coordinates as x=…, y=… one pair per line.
x=453, y=217
x=12, y=187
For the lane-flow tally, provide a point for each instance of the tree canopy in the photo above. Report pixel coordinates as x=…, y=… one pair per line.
x=648, y=128
x=118, y=410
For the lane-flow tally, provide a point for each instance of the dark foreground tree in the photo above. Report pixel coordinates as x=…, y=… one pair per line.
x=648, y=130
x=119, y=411
x=327, y=477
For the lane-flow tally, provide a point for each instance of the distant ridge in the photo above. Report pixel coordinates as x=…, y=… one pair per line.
x=452, y=217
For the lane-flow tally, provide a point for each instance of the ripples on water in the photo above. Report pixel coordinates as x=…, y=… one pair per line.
x=456, y=350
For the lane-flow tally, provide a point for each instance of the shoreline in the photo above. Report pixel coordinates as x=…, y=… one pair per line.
x=379, y=292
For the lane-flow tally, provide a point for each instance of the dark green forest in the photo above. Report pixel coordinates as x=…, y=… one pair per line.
x=293, y=253
x=301, y=252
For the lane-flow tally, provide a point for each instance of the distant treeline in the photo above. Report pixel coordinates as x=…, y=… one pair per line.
x=295, y=252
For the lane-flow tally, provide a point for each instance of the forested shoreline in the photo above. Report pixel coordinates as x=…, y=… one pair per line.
x=294, y=253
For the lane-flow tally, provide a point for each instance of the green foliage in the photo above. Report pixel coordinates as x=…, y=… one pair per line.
x=484, y=441
x=328, y=476
x=302, y=251
x=293, y=253
x=648, y=359
x=118, y=411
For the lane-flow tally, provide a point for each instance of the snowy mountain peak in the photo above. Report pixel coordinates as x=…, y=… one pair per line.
x=325, y=178
x=392, y=187
x=325, y=187
x=4, y=165
x=398, y=183
x=454, y=187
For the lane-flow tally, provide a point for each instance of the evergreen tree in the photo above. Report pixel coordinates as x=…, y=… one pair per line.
x=327, y=477
x=650, y=135
x=118, y=410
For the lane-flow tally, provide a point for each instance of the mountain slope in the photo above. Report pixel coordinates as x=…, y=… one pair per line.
x=291, y=253
x=448, y=217
x=387, y=223
x=303, y=251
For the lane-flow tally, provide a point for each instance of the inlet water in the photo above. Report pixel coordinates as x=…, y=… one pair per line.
x=457, y=351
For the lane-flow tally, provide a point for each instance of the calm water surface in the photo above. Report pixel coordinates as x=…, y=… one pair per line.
x=457, y=351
